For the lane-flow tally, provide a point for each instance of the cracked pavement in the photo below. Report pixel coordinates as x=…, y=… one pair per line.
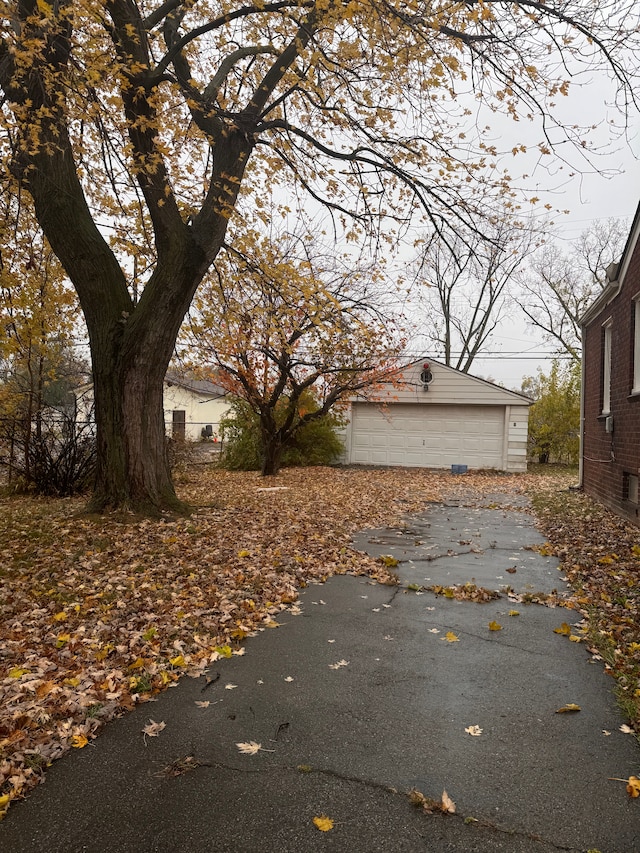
x=356, y=700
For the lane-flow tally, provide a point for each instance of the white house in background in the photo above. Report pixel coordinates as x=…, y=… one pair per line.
x=438, y=417
x=192, y=407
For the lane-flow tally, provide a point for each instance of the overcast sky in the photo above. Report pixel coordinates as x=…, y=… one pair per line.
x=587, y=197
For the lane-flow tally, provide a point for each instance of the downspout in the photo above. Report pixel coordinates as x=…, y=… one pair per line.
x=582, y=390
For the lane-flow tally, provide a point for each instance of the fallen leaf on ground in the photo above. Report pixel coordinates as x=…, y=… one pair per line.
x=626, y=730
x=475, y=731
x=230, y=686
x=447, y=803
x=450, y=637
x=251, y=748
x=429, y=805
x=78, y=741
x=564, y=629
x=153, y=729
x=514, y=613
x=323, y=823
x=495, y=626
x=633, y=785
x=568, y=708
x=203, y=704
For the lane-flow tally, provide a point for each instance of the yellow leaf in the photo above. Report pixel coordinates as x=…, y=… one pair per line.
x=564, y=629
x=17, y=672
x=137, y=664
x=633, y=786
x=224, y=651
x=244, y=553
x=72, y=682
x=574, y=638
x=568, y=708
x=450, y=637
x=4, y=804
x=62, y=640
x=60, y=617
x=271, y=624
x=494, y=626
x=514, y=613
x=177, y=661
x=78, y=741
x=323, y=823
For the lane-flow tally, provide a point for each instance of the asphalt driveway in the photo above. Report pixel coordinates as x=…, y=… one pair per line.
x=363, y=693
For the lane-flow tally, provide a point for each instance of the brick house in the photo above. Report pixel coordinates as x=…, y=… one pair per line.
x=610, y=430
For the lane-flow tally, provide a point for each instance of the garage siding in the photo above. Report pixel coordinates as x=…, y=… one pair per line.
x=436, y=436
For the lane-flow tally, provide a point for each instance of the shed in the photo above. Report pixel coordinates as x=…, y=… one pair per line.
x=435, y=417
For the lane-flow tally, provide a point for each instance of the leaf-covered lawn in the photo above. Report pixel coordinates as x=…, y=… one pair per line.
x=600, y=555
x=97, y=615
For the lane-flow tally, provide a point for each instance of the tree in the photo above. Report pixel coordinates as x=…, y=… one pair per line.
x=135, y=126
x=315, y=442
x=283, y=323
x=554, y=418
x=559, y=286
x=467, y=278
x=38, y=317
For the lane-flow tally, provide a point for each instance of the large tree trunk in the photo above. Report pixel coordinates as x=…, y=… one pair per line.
x=132, y=466
x=272, y=444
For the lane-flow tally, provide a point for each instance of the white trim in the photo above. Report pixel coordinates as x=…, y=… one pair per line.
x=636, y=345
x=606, y=366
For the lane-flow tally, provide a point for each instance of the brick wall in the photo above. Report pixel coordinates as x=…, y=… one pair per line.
x=608, y=458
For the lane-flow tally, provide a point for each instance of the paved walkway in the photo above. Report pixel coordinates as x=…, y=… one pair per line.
x=357, y=699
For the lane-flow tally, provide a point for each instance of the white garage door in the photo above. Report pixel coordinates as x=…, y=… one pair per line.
x=427, y=436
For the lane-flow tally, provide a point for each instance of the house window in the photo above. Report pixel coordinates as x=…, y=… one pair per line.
x=606, y=368
x=631, y=488
x=636, y=345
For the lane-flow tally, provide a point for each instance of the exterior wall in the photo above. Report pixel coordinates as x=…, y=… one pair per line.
x=609, y=458
x=516, y=435
x=199, y=411
x=447, y=386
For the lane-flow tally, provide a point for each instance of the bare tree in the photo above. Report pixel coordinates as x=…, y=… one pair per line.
x=464, y=286
x=559, y=285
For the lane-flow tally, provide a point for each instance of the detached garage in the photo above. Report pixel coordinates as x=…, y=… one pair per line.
x=436, y=417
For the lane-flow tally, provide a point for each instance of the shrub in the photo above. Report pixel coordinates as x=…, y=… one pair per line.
x=313, y=443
